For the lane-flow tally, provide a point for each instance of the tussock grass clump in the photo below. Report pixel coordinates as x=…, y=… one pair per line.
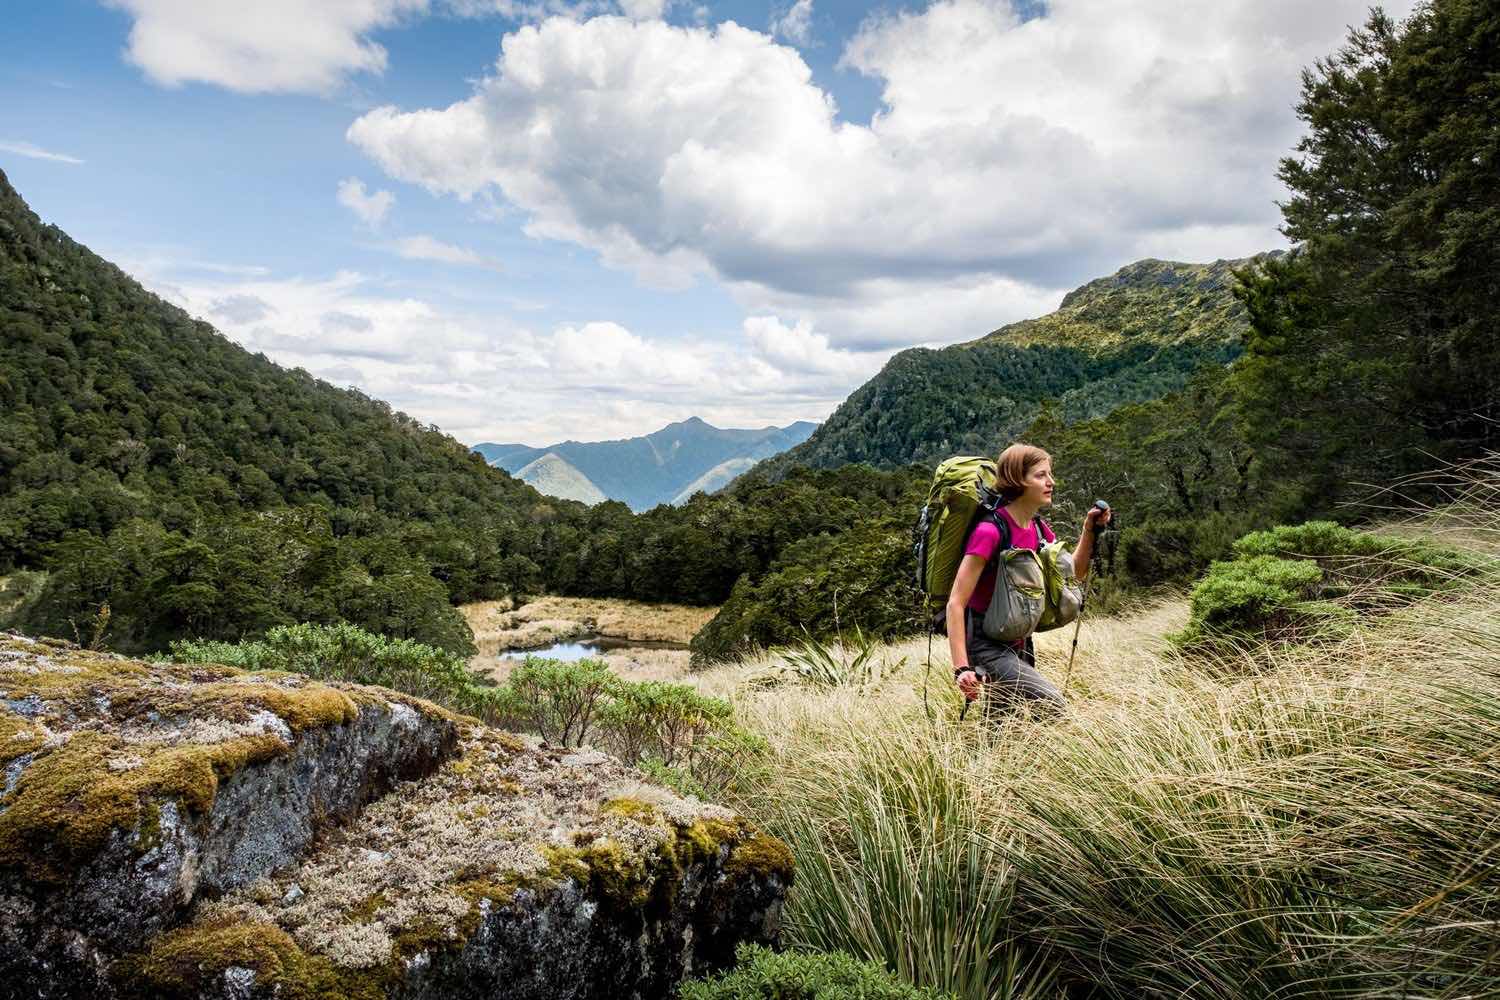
x=1325, y=825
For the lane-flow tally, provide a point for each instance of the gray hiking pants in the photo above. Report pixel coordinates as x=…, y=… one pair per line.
x=1010, y=676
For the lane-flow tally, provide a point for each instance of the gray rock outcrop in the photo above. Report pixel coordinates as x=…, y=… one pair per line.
x=190, y=831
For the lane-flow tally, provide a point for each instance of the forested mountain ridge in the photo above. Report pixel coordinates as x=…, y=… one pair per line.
x=137, y=444
x=1155, y=301
x=655, y=468
x=1133, y=336
x=159, y=482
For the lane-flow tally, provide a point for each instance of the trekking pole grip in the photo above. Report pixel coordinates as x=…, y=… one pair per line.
x=1098, y=524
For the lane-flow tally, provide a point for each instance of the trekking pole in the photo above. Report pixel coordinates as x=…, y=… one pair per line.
x=928, y=675
x=1083, y=601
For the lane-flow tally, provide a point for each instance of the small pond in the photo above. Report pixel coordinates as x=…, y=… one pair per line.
x=579, y=649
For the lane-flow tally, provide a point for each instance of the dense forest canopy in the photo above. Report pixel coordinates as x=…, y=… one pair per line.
x=1374, y=350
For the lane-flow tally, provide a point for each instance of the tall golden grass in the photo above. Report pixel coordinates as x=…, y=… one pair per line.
x=1319, y=821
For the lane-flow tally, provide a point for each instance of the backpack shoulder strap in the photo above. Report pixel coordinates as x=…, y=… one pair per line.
x=997, y=519
x=1041, y=539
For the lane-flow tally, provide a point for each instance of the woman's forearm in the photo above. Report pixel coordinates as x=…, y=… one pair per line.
x=1083, y=554
x=958, y=648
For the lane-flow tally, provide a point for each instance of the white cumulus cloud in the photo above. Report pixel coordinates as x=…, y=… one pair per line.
x=269, y=46
x=485, y=378
x=799, y=349
x=370, y=206
x=794, y=23
x=1011, y=160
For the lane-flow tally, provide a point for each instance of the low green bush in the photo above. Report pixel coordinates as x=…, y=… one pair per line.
x=662, y=721
x=345, y=652
x=1365, y=562
x=558, y=701
x=688, y=740
x=1306, y=581
x=762, y=974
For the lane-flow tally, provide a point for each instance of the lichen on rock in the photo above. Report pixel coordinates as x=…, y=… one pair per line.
x=131, y=789
x=196, y=831
x=504, y=833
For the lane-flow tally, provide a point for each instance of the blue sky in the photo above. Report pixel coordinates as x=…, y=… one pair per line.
x=640, y=212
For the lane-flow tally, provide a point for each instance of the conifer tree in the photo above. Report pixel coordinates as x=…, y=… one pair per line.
x=1373, y=347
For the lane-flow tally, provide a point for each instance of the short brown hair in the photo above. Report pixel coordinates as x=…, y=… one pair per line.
x=1012, y=467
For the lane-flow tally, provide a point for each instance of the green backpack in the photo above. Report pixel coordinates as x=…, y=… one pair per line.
x=1064, y=598
x=961, y=492
x=942, y=528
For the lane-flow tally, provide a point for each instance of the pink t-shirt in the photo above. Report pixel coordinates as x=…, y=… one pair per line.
x=983, y=542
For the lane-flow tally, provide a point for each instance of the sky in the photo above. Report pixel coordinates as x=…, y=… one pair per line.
x=584, y=219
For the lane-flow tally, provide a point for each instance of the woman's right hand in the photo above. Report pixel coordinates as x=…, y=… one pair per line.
x=968, y=683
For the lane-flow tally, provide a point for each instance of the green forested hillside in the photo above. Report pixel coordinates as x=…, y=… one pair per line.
x=154, y=465
x=151, y=467
x=1133, y=336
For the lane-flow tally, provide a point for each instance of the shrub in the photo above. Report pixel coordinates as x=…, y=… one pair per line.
x=1258, y=598
x=345, y=652
x=688, y=739
x=761, y=974
x=1309, y=580
x=1365, y=563
x=559, y=701
x=661, y=720
x=674, y=778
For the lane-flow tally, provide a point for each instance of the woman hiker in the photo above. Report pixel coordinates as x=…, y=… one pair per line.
x=1007, y=671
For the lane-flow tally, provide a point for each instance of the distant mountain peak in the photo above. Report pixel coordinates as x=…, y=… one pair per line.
x=665, y=466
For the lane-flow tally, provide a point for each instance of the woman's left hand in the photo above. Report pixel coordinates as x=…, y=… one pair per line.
x=1096, y=519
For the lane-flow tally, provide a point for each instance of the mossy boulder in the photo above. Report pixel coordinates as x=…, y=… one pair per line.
x=284, y=857
x=131, y=790
x=518, y=870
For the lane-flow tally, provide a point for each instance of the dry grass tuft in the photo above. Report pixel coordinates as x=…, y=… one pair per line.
x=498, y=627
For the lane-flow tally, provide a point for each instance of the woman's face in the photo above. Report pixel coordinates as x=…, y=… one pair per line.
x=1039, y=483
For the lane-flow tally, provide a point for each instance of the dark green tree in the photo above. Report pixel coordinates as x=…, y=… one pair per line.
x=1373, y=348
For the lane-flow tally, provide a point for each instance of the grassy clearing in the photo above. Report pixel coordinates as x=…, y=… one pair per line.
x=498, y=627
x=1283, y=821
